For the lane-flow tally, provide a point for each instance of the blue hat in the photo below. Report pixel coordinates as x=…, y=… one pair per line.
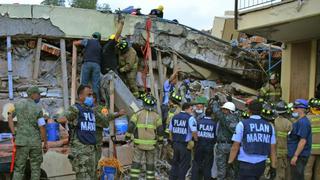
x=300, y=103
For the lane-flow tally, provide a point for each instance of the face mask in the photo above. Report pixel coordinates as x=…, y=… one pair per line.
x=88, y=101
x=37, y=100
x=199, y=111
x=295, y=115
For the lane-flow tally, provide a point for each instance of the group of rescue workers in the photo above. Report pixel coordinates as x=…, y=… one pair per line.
x=193, y=130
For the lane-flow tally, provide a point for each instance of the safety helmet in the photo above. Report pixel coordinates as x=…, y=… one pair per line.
x=281, y=107
x=96, y=35
x=229, y=105
x=201, y=100
x=195, y=86
x=274, y=76
x=175, y=97
x=314, y=103
x=112, y=36
x=267, y=112
x=160, y=7
x=149, y=100
x=8, y=108
x=123, y=45
x=300, y=103
x=245, y=114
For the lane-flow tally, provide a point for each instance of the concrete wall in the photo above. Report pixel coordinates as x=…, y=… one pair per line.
x=218, y=27
x=223, y=28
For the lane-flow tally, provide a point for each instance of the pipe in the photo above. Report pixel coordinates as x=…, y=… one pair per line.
x=9, y=58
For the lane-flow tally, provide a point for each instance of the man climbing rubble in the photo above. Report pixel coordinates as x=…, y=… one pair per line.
x=146, y=129
x=158, y=12
x=30, y=131
x=109, y=56
x=90, y=70
x=271, y=91
x=128, y=65
x=227, y=122
x=82, y=122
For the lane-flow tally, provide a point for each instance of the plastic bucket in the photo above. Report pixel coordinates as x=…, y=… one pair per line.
x=121, y=125
x=108, y=173
x=53, y=132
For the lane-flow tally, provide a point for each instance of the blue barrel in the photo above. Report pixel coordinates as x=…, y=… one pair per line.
x=108, y=173
x=121, y=125
x=53, y=132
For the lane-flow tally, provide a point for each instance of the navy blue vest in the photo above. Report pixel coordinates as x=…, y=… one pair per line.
x=93, y=51
x=86, y=127
x=256, y=136
x=206, y=131
x=180, y=127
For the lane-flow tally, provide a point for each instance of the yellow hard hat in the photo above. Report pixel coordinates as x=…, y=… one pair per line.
x=8, y=108
x=112, y=36
x=160, y=8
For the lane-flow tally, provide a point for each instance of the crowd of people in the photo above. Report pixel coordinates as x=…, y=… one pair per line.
x=271, y=138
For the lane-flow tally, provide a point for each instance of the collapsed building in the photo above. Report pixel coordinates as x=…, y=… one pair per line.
x=36, y=49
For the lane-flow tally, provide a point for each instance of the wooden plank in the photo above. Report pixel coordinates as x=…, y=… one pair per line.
x=37, y=60
x=111, y=123
x=74, y=74
x=64, y=74
x=160, y=71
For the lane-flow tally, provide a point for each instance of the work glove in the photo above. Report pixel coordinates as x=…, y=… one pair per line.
x=190, y=145
x=128, y=138
x=273, y=173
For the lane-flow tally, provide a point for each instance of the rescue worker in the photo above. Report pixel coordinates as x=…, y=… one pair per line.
x=90, y=69
x=146, y=127
x=200, y=106
x=174, y=109
x=128, y=65
x=226, y=124
x=183, y=133
x=195, y=90
x=82, y=123
x=30, y=130
x=158, y=12
x=184, y=89
x=282, y=126
x=109, y=56
x=252, y=151
x=203, y=155
x=102, y=122
x=271, y=91
x=168, y=88
x=299, y=140
x=312, y=171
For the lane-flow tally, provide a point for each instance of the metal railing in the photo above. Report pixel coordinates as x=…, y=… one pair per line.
x=250, y=4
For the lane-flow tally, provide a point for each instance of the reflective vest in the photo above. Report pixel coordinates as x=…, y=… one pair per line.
x=206, y=128
x=172, y=111
x=180, y=127
x=145, y=134
x=256, y=136
x=282, y=127
x=86, y=125
x=315, y=129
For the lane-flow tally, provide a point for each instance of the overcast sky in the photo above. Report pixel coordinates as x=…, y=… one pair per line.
x=195, y=13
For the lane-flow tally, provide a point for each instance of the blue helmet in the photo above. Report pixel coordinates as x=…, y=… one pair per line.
x=301, y=103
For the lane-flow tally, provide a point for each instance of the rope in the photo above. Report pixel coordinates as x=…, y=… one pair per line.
x=13, y=155
x=146, y=53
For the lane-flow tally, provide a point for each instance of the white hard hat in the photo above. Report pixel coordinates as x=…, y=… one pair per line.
x=230, y=106
x=9, y=107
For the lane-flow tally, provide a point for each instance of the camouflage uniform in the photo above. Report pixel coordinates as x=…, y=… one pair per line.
x=28, y=139
x=128, y=63
x=282, y=127
x=271, y=92
x=225, y=128
x=81, y=156
x=146, y=126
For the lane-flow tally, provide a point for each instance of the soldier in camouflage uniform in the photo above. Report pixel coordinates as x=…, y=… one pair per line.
x=30, y=131
x=82, y=122
x=227, y=122
x=128, y=64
